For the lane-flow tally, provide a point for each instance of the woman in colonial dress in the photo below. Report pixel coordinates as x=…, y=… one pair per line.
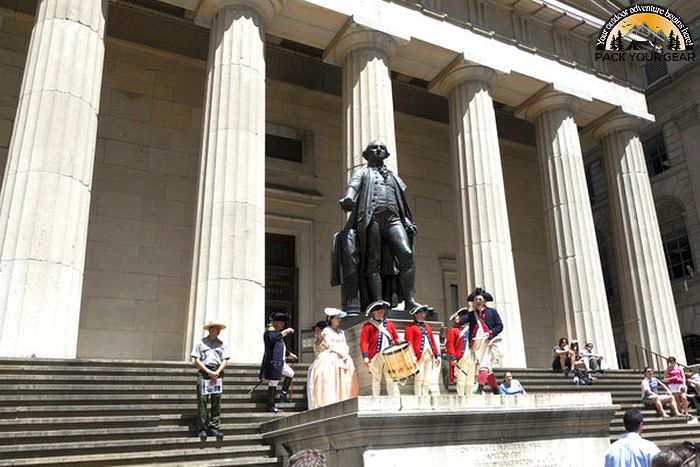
x=333, y=373
x=319, y=347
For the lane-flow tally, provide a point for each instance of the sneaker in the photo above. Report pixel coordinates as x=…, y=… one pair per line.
x=216, y=433
x=575, y=379
x=566, y=373
x=202, y=435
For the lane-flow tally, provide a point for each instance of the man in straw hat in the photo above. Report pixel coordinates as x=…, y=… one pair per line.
x=484, y=326
x=274, y=364
x=377, y=334
x=420, y=336
x=456, y=345
x=210, y=357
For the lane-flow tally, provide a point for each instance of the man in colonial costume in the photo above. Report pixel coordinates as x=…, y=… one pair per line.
x=420, y=336
x=210, y=357
x=484, y=327
x=377, y=334
x=274, y=364
x=456, y=345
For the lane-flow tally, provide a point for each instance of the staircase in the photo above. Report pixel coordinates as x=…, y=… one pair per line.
x=625, y=387
x=106, y=413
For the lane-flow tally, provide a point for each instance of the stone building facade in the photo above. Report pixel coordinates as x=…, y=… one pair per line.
x=171, y=162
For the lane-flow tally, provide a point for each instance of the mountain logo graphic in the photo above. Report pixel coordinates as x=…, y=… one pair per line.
x=645, y=27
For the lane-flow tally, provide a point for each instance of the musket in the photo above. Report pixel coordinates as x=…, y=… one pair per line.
x=256, y=385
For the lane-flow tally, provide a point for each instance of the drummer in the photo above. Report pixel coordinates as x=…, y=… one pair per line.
x=378, y=333
x=420, y=336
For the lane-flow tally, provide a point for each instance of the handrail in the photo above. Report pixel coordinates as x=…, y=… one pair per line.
x=649, y=355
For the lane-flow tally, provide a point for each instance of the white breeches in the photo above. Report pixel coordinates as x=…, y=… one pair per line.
x=378, y=369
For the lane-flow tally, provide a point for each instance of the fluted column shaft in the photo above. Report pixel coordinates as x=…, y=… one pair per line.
x=579, y=300
x=485, y=253
x=45, y=197
x=647, y=298
x=368, y=106
x=228, y=275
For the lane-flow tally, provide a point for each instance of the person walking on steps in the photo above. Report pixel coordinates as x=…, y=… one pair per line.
x=274, y=364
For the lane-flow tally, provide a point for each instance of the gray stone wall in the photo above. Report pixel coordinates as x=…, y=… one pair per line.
x=137, y=267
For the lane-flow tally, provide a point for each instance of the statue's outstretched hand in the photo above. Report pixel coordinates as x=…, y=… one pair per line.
x=346, y=203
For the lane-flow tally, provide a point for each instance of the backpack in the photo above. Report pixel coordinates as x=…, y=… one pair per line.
x=582, y=378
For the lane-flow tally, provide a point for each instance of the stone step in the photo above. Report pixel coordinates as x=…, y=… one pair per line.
x=177, y=419
x=135, y=409
x=97, y=388
x=239, y=445
x=130, y=432
x=129, y=399
x=220, y=463
x=223, y=455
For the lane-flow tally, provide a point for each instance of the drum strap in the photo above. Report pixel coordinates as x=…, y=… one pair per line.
x=382, y=330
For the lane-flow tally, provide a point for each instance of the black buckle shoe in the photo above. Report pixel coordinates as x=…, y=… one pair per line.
x=284, y=397
x=202, y=435
x=496, y=391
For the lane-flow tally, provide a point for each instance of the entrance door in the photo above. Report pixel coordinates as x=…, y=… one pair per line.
x=281, y=282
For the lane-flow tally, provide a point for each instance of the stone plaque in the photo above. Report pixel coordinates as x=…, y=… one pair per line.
x=544, y=453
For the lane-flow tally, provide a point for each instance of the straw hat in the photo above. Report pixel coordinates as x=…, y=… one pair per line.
x=214, y=324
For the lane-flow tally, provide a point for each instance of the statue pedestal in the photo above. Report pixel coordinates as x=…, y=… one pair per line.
x=353, y=328
x=538, y=429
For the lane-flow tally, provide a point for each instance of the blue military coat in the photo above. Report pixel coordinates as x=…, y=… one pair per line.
x=273, y=360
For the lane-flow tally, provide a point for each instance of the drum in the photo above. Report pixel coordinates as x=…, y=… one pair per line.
x=400, y=361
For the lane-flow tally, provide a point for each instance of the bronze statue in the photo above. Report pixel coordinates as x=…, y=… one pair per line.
x=372, y=257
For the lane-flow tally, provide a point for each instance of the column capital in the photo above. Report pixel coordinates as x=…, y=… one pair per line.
x=615, y=120
x=545, y=99
x=460, y=71
x=354, y=36
x=267, y=9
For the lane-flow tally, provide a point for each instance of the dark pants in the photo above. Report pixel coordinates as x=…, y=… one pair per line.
x=204, y=422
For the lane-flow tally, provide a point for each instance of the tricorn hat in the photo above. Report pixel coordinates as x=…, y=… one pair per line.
x=418, y=309
x=479, y=291
x=462, y=311
x=214, y=324
x=279, y=316
x=377, y=305
x=334, y=312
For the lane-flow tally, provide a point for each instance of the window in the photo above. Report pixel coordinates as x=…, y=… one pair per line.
x=674, y=236
x=287, y=149
x=655, y=152
x=589, y=182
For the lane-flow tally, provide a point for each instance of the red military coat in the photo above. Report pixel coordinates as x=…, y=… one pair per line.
x=455, y=344
x=413, y=335
x=369, y=337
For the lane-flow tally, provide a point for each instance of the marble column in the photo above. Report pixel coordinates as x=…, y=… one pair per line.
x=580, y=303
x=228, y=267
x=648, y=308
x=45, y=197
x=485, y=253
x=368, y=106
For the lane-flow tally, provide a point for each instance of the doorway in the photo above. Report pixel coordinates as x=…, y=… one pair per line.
x=281, y=282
